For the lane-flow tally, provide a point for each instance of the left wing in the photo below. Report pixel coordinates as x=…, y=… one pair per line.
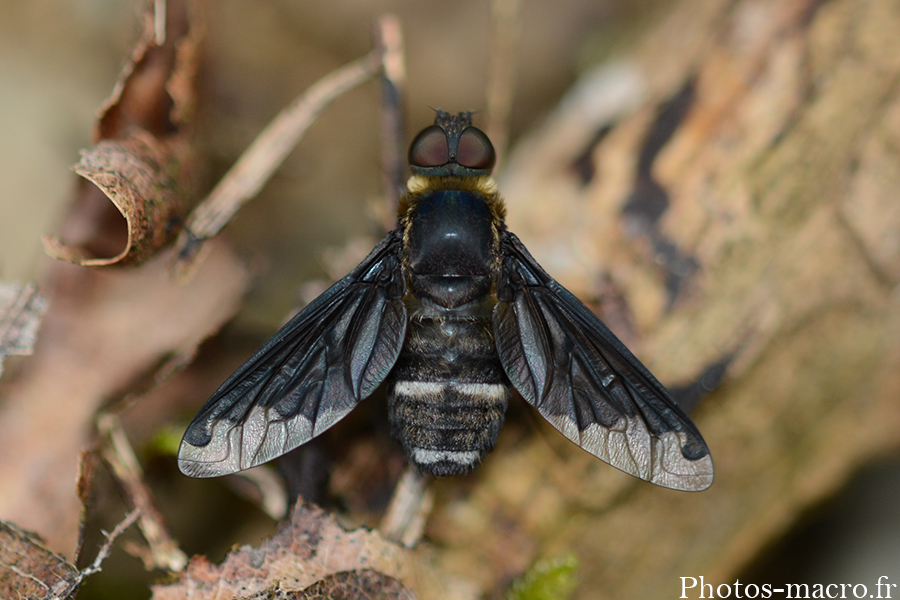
x=586, y=383
x=309, y=375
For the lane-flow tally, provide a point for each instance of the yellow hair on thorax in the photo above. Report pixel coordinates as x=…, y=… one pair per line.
x=484, y=186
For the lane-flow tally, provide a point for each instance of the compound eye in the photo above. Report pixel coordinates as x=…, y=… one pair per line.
x=429, y=148
x=475, y=150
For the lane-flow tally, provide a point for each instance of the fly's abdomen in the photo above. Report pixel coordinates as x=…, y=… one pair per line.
x=447, y=394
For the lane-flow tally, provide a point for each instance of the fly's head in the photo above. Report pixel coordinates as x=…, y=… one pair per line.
x=452, y=154
x=451, y=147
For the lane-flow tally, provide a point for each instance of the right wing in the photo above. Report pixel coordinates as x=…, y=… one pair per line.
x=309, y=375
x=566, y=363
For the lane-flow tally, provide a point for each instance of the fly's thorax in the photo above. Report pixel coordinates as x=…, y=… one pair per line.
x=424, y=190
x=447, y=394
x=450, y=246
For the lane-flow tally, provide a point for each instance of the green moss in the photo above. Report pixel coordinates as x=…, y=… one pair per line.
x=546, y=580
x=167, y=440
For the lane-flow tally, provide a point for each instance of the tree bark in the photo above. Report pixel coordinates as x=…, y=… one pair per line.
x=734, y=177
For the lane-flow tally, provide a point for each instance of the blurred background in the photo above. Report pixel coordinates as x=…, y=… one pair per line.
x=60, y=58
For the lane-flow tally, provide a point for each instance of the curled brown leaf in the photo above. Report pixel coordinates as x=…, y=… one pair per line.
x=140, y=172
x=138, y=178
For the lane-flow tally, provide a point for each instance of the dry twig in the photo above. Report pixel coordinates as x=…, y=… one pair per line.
x=502, y=76
x=163, y=550
x=404, y=520
x=244, y=180
x=393, y=82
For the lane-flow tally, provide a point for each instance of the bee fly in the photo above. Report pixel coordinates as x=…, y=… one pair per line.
x=452, y=312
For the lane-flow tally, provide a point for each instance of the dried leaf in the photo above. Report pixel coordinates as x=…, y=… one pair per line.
x=109, y=333
x=106, y=333
x=310, y=550
x=21, y=311
x=155, y=91
x=348, y=585
x=142, y=165
x=138, y=176
x=29, y=570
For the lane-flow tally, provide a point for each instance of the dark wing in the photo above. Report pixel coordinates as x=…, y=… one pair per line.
x=586, y=383
x=308, y=376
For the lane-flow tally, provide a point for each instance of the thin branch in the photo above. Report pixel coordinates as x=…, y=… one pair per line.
x=159, y=21
x=264, y=488
x=66, y=588
x=390, y=39
x=105, y=549
x=404, y=520
x=118, y=454
x=248, y=175
x=502, y=71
